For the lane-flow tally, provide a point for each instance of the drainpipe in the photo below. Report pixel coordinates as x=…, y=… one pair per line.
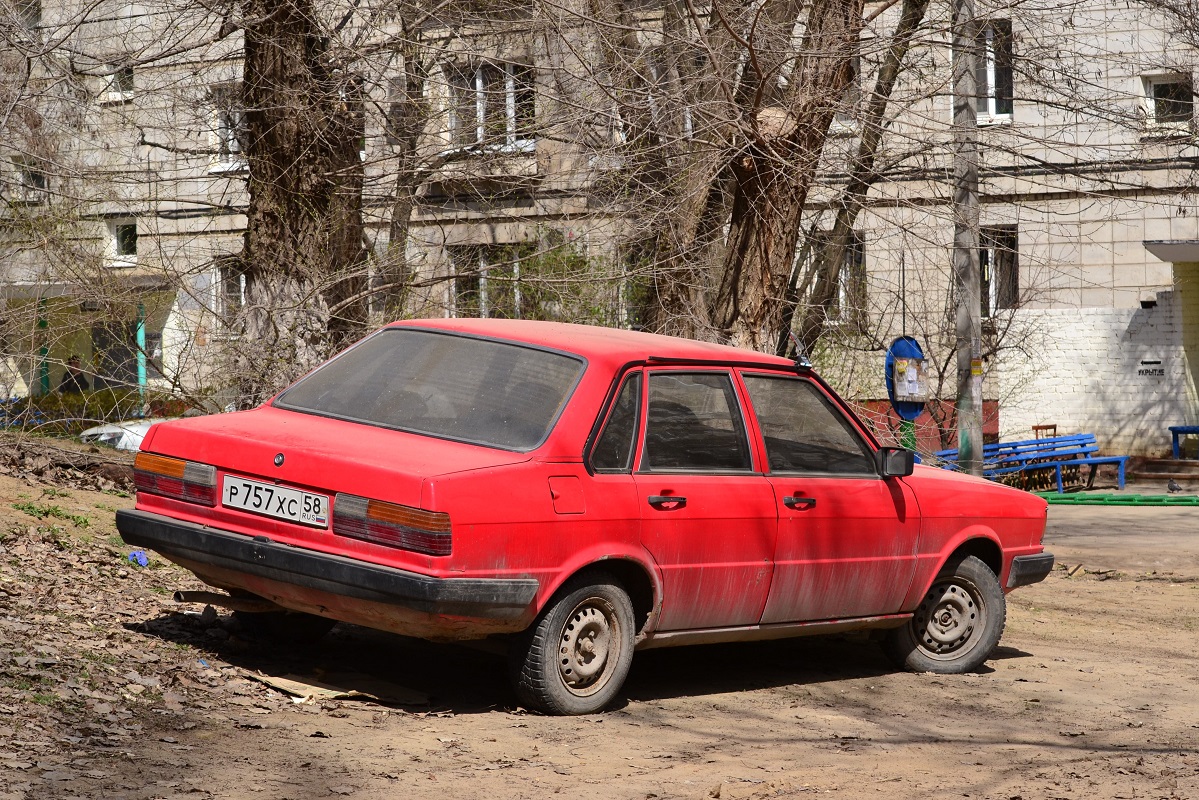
x=141, y=357
x=43, y=365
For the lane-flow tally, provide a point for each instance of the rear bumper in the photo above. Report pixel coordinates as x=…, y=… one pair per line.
x=1029, y=569
x=211, y=552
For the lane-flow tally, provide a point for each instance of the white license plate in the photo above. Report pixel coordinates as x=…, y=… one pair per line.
x=280, y=502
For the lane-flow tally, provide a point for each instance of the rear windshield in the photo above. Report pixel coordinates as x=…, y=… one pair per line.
x=446, y=385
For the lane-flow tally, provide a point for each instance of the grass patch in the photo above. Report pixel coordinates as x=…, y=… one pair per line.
x=44, y=510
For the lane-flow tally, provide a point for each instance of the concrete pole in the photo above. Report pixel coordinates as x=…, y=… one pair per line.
x=966, y=274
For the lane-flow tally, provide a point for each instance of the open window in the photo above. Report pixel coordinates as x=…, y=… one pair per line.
x=994, y=72
x=1169, y=103
x=999, y=260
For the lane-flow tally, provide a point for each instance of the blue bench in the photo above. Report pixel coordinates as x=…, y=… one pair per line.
x=1056, y=453
x=1177, y=431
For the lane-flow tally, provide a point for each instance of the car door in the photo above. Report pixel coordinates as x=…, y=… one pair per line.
x=707, y=517
x=847, y=538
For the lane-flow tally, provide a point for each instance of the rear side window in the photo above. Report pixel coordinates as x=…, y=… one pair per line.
x=446, y=385
x=614, y=448
x=694, y=424
x=802, y=430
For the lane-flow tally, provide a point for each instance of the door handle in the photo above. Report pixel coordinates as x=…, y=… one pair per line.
x=792, y=502
x=662, y=500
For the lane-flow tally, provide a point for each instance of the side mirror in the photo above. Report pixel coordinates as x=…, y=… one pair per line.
x=895, y=462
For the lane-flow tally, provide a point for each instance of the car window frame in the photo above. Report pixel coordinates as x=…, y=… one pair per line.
x=835, y=405
x=550, y=427
x=601, y=424
x=640, y=467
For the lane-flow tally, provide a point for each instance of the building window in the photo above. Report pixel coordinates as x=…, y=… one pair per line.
x=122, y=245
x=851, y=282
x=228, y=128
x=31, y=182
x=847, y=109
x=999, y=260
x=492, y=105
x=120, y=86
x=994, y=71
x=488, y=282
x=1169, y=100
x=231, y=288
x=29, y=14
x=405, y=107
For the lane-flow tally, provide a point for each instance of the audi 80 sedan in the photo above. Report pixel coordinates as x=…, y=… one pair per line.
x=580, y=493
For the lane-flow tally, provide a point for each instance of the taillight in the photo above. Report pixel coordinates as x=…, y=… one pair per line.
x=392, y=525
x=174, y=477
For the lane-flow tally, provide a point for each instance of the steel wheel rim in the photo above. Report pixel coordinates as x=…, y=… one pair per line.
x=949, y=620
x=589, y=645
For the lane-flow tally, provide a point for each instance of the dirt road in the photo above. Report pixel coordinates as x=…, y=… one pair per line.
x=109, y=690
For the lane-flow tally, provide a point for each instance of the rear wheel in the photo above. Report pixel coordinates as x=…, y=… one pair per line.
x=957, y=625
x=576, y=656
x=284, y=627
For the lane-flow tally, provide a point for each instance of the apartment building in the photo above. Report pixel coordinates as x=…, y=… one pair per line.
x=513, y=191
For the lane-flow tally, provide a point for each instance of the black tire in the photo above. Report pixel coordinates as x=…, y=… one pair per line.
x=283, y=627
x=576, y=656
x=957, y=625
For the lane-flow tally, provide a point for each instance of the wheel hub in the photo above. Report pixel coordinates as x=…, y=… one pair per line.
x=583, y=652
x=947, y=618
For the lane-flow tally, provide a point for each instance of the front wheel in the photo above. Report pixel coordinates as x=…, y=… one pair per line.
x=576, y=656
x=957, y=625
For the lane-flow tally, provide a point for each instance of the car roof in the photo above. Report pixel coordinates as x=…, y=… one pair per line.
x=597, y=343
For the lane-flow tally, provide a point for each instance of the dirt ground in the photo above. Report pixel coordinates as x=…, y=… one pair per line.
x=110, y=690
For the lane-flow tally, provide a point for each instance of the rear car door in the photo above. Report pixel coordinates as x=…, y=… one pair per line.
x=847, y=538
x=707, y=516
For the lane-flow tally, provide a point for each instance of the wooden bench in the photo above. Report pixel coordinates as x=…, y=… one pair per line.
x=1177, y=431
x=1057, y=453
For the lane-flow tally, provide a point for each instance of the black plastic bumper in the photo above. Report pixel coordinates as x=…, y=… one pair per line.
x=490, y=598
x=1029, y=569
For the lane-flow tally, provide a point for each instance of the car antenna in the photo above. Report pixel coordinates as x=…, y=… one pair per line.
x=801, y=357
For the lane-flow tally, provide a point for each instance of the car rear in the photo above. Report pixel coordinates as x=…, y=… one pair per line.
x=322, y=501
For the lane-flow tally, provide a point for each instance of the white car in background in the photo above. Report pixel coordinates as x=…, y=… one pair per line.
x=125, y=435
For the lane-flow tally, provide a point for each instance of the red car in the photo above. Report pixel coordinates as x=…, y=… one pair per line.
x=582, y=492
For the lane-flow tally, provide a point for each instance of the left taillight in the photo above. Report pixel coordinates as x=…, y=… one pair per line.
x=176, y=478
x=393, y=525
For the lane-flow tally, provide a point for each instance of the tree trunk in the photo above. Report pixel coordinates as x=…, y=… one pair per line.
x=774, y=171
x=829, y=254
x=303, y=257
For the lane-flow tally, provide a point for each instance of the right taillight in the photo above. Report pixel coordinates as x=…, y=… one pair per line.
x=176, y=478
x=392, y=525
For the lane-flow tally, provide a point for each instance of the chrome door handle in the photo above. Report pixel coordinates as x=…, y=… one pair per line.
x=792, y=502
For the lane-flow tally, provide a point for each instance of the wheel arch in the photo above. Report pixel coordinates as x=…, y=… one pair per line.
x=983, y=548
x=638, y=581
x=975, y=540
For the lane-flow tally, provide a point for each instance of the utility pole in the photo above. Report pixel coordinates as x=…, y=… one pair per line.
x=966, y=274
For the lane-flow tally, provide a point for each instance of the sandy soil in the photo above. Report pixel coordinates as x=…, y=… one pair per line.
x=109, y=690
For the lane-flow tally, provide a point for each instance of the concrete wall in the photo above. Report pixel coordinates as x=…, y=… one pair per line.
x=1094, y=373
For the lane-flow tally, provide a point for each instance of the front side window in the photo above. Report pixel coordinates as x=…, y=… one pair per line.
x=456, y=387
x=995, y=55
x=694, y=424
x=802, y=430
x=614, y=448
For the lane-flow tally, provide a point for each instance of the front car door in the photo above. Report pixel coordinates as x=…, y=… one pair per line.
x=847, y=538
x=707, y=516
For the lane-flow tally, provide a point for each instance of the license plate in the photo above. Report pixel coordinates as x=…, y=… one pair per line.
x=280, y=502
